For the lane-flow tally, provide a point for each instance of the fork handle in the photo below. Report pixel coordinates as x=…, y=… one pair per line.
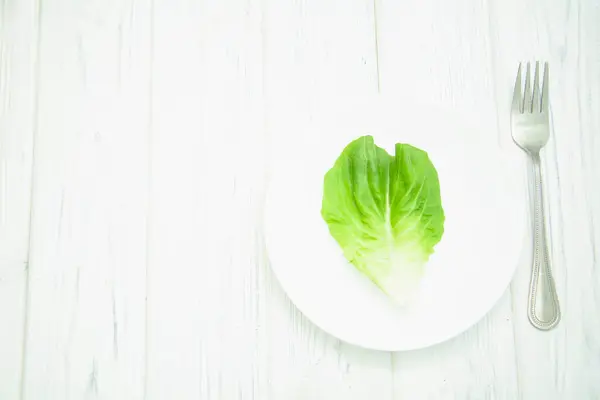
x=543, y=306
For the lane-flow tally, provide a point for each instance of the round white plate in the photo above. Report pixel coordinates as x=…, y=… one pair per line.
x=484, y=202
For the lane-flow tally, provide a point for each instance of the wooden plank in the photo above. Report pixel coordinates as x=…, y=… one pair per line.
x=439, y=53
x=208, y=144
x=85, y=336
x=562, y=363
x=317, y=55
x=18, y=52
x=585, y=288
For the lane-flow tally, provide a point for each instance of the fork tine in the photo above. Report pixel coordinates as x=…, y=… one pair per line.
x=516, y=102
x=536, y=89
x=527, y=95
x=545, y=88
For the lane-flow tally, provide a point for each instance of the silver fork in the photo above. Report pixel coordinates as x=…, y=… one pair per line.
x=530, y=131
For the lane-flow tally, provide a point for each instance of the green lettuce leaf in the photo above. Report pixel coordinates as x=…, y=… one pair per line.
x=385, y=212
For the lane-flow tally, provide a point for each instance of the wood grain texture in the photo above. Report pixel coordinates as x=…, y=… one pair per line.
x=207, y=177
x=86, y=325
x=155, y=122
x=563, y=362
x=18, y=54
x=315, y=53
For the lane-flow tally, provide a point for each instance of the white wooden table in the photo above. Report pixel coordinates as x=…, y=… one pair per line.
x=134, y=138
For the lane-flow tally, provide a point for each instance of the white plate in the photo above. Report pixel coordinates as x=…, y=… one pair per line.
x=483, y=198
